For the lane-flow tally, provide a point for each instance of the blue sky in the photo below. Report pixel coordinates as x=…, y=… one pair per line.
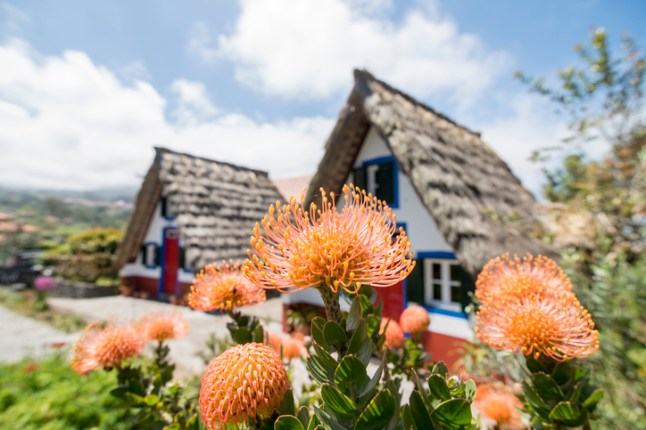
x=88, y=88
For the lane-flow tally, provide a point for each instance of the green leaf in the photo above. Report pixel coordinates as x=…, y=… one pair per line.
x=241, y=335
x=547, y=388
x=316, y=330
x=534, y=365
x=440, y=369
x=151, y=400
x=452, y=412
x=591, y=402
x=419, y=411
x=438, y=387
x=351, y=371
x=340, y=404
x=318, y=370
x=360, y=344
x=407, y=418
x=469, y=390
x=537, y=403
x=354, y=315
x=288, y=422
x=334, y=334
x=372, y=383
x=565, y=411
x=287, y=406
x=327, y=419
x=372, y=323
x=562, y=374
x=303, y=415
x=378, y=412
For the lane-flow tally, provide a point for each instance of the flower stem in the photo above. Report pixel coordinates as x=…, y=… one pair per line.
x=331, y=302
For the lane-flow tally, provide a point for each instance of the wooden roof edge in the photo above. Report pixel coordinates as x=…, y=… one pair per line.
x=143, y=212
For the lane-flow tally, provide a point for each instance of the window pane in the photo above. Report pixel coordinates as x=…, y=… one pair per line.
x=456, y=294
x=359, y=176
x=385, y=182
x=436, y=272
x=437, y=291
x=455, y=272
x=415, y=284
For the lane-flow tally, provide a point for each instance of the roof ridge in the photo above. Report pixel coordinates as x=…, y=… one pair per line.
x=365, y=75
x=161, y=150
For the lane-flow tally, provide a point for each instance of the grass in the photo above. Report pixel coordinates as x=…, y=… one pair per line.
x=29, y=303
x=47, y=395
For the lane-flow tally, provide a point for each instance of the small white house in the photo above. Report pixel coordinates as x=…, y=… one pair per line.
x=190, y=212
x=449, y=190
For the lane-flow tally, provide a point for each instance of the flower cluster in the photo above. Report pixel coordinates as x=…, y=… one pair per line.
x=105, y=346
x=528, y=307
x=289, y=347
x=393, y=333
x=414, y=319
x=295, y=248
x=223, y=288
x=498, y=406
x=163, y=326
x=244, y=382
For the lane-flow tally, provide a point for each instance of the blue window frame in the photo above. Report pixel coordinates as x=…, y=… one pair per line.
x=379, y=176
x=439, y=283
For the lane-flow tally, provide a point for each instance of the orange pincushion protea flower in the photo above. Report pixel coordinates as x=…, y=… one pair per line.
x=559, y=328
x=414, y=319
x=297, y=248
x=244, y=382
x=290, y=347
x=102, y=345
x=498, y=406
x=223, y=288
x=531, y=275
x=163, y=326
x=393, y=333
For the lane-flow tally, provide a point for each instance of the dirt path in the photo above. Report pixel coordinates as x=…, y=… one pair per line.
x=23, y=336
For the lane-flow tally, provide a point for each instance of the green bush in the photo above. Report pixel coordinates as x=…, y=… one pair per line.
x=47, y=395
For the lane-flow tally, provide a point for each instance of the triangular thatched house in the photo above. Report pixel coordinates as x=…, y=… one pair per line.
x=189, y=212
x=450, y=191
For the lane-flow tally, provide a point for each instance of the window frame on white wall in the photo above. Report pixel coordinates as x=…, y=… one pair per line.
x=445, y=283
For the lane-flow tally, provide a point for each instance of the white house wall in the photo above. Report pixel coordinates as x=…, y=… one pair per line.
x=154, y=235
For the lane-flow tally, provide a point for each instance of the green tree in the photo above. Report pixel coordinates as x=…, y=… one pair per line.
x=603, y=99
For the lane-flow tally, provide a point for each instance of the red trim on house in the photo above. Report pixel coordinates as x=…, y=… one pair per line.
x=443, y=348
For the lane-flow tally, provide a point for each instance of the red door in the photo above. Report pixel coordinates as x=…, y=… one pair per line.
x=393, y=299
x=171, y=260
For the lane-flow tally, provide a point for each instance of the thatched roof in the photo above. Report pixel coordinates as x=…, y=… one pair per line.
x=215, y=206
x=468, y=190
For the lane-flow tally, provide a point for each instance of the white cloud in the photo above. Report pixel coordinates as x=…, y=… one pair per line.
x=200, y=42
x=135, y=70
x=306, y=49
x=193, y=104
x=66, y=122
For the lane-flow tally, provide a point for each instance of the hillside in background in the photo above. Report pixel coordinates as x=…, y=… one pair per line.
x=42, y=219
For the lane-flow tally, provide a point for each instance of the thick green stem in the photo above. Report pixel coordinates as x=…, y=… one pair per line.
x=331, y=302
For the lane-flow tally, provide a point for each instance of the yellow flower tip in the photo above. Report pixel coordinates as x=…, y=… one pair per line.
x=104, y=346
x=224, y=287
x=394, y=335
x=498, y=406
x=244, y=382
x=163, y=326
x=414, y=319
